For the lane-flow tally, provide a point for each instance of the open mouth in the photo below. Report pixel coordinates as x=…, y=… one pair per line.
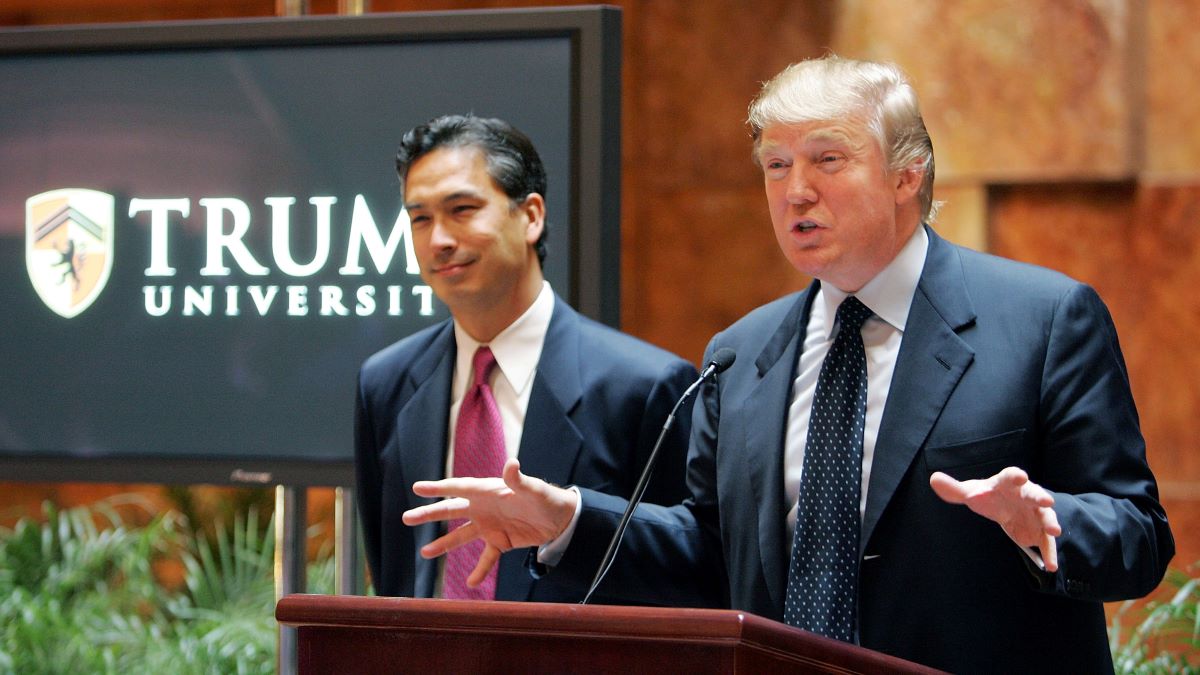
x=804, y=226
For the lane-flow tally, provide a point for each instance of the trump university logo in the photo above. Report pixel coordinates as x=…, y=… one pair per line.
x=69, y=247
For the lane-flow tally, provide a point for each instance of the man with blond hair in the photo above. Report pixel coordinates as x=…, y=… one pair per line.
x=830, y=466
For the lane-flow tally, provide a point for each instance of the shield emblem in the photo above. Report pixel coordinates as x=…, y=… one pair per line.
x=69, y=247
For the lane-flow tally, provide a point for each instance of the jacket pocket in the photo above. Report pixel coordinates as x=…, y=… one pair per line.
x=979, y=458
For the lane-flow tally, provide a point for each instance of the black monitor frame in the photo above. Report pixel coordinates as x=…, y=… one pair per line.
x=595, y=34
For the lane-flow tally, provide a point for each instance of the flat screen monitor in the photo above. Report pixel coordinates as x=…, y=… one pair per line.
x=202, y=238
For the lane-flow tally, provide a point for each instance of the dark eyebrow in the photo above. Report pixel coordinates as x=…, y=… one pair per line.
x=453, y=196
x=461, y=194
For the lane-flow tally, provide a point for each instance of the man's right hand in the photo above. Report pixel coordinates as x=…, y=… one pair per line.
x=515, y=511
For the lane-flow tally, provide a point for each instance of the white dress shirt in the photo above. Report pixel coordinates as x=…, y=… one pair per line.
x=889, y=295
x=517, y=350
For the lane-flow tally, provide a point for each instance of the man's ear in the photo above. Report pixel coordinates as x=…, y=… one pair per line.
x=534, y=208
x=908, y=182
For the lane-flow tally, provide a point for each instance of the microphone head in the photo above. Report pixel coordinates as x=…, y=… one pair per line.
x=723, y=359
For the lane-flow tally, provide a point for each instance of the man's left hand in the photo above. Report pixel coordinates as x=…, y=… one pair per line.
x=1023, y=508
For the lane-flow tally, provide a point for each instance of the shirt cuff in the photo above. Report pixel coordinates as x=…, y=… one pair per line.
x=1032, y=554
x=551, y=553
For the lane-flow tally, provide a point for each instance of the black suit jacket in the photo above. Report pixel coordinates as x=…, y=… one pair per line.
x=1001, y=364
x=599, y=401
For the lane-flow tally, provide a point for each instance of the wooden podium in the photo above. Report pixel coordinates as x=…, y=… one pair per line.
x=354, y=634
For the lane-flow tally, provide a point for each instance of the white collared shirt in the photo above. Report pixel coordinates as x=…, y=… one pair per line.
x=889, y=295
x=517, y=349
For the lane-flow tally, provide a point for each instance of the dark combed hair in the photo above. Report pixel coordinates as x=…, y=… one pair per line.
x=512, y=161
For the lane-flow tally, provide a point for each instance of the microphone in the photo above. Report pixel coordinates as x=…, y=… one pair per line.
x=720, y=361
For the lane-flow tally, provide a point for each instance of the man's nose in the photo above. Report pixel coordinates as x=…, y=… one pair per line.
x=800, y=188
x=441, y=236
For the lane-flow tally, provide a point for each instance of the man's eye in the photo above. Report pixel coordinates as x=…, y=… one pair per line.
x=418, y=220
x=831, y=161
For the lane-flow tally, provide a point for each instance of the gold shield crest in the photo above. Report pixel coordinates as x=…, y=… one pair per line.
x=69, y=247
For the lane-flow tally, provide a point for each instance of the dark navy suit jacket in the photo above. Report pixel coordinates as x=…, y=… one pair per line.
x=1000, y=364
x=599, y=401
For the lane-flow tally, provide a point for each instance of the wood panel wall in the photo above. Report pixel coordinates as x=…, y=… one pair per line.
x=1067, y=134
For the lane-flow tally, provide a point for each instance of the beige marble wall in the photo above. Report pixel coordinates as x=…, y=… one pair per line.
x=1172, y=61
x=1011, y=91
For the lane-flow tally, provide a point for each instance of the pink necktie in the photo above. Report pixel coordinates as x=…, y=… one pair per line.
x=479, y=452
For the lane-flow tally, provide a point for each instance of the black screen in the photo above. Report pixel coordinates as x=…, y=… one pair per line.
x=199, y=244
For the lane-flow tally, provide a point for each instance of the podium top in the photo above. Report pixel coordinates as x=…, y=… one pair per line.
x=723, y=640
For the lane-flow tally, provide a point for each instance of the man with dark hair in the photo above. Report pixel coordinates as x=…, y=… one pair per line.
x=515, y=372
x=930, y=452
x=509, y=156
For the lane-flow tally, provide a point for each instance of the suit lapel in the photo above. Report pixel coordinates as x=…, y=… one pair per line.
x=769, y=400
x=931, y=362
x=550, y=441
x=421, y=423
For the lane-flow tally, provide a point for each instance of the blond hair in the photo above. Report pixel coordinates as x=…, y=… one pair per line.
x=878, y=94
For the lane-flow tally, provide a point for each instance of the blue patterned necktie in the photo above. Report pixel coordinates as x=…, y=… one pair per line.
x=822, y=588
